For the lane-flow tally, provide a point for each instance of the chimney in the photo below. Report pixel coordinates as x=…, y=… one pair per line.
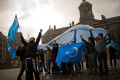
x=54, y=27
x=70, y=25
x=49, y=26
x=73, y=23
x=28, y=36
x=103, y=17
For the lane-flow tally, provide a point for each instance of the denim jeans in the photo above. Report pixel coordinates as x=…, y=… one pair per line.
x=77, y=66
x=113, y=56
x=92, y=62
x=55, y=68
x=48, y=65
x=22, y=69
x=102, y=56
x=41, y=66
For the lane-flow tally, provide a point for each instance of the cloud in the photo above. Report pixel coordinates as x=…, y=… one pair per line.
x=26, y=16
x=109, y=8
x=47, y=10
x=6, y=5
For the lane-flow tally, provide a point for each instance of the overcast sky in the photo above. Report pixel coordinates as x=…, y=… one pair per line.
x=36, y=14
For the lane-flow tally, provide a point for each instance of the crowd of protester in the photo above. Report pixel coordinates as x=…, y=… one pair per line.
x=94, y=51
x=95, y=57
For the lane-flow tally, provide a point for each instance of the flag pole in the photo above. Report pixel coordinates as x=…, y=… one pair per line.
x=19, y=29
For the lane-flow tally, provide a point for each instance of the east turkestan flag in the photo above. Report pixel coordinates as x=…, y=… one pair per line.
x=13, y=29
x=70, y=53
x=11, y=51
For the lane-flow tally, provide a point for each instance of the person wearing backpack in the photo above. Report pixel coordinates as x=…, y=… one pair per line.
x=21, y=53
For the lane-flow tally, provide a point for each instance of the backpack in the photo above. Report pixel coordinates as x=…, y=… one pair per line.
x=21, y=51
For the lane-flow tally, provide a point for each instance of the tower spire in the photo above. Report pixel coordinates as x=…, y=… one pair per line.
x=85, y=9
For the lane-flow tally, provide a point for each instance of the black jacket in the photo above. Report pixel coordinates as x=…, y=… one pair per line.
x=41, y=56
x=31, y=47
x=112, y=50
x=55, y=52
x=90, y=47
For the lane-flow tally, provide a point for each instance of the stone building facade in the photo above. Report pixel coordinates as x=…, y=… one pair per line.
x=3, y=50
x=5, y=56
x=15, y=45
x=87, y=18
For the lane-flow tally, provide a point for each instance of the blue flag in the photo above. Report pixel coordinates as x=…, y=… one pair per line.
x=13, y=29
x=70, y=53
x=114, y=45
x=11, y=51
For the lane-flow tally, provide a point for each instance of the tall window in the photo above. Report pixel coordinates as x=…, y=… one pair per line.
x=0, y=49
x=0, y=56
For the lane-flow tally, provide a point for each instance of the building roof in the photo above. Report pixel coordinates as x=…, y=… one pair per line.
x=61, y=30
x=56, y=31
x=113, y=20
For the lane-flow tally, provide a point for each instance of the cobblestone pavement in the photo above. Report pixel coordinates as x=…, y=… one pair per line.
x=114, y=74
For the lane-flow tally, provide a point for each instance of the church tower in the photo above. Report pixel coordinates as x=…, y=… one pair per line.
x=85, y=9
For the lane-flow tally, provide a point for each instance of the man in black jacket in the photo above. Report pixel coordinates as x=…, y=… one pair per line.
x=31, y=53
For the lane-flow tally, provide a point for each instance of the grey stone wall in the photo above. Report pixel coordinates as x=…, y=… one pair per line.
x=115, y=32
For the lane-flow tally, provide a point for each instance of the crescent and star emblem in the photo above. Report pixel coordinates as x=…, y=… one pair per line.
x=9, y=48
x=76, y=49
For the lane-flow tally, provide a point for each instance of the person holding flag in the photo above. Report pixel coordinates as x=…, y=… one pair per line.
x=31, y=54
x=90, y=49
